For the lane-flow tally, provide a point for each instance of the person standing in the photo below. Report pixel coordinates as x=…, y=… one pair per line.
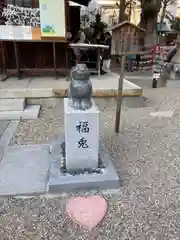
x=131, y=58
x=106, y=56
x=138, y=59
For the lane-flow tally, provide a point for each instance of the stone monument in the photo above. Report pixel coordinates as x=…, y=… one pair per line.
x=81, y=122
x=80, y=161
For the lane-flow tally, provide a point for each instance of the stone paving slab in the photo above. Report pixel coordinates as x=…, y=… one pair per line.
x=10, y=115
x=24, y=170
x=12, y=104
x=30, y=112
x=3, y=126
x=7, y=130
x=8, y=133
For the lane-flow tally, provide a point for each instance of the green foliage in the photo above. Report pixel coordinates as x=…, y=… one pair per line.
x=48, y=29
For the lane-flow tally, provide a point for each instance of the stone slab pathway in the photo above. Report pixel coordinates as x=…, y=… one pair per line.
x=24, y=170
x=3, y=126
x=8, y=129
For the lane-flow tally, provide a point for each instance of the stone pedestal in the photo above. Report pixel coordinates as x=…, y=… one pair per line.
x=81, y=137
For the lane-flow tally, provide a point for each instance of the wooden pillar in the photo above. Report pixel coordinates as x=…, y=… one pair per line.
x=16, y=51
x=4, y=61
x=33, y=4
x=67, y=30
x=54, y=59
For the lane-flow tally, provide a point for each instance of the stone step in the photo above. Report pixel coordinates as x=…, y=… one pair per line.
x=106, y=86
x=173, y=84
x=30, y=112
x=12, y=104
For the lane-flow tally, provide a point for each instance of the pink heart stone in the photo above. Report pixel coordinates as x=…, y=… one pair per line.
x=88, y=212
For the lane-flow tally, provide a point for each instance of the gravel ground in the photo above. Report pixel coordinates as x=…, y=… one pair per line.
x=146, y=155
x=51, y=122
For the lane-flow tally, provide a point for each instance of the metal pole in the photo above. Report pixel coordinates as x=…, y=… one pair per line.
x=120, y=86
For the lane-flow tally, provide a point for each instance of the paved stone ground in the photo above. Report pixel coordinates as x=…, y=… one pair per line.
x=146, y=156
x=141, y=78
x=3, y=126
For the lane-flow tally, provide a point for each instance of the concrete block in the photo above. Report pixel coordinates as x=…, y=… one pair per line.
x=24, y=170
x=9, y=92
x=10, y=115
x=31, y=112
x=12, y=104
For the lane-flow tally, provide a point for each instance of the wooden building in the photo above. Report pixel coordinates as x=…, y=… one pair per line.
x=39, y=55
x=118, y=33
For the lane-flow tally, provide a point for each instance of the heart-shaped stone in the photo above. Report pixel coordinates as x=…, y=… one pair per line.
x=88, y=212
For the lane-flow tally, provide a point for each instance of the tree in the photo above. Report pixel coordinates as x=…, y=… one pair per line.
x=165, y=4
x=122, y=8
x=123, y=5
x=148, y=21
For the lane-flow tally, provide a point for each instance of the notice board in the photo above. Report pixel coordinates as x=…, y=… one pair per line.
x=52, y=18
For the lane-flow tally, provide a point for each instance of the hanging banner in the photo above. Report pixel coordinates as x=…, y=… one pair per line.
x=52, y=18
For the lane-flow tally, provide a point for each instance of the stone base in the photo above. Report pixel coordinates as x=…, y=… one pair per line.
x=59, y=181
x=35, y=169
